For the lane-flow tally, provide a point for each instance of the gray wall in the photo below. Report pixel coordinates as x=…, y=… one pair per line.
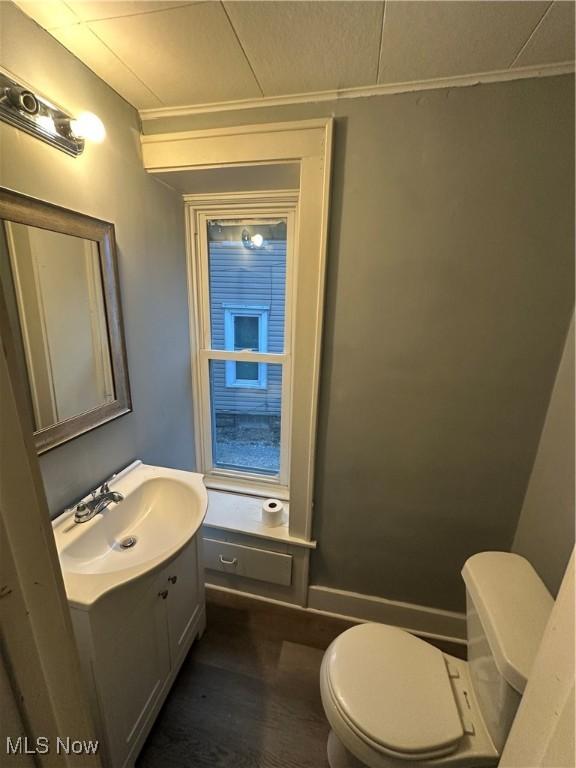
x=109, y=182
x=450, y=289
x=449, y=294
x=545, y=533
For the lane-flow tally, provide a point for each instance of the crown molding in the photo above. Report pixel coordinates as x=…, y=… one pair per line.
x=364, y=91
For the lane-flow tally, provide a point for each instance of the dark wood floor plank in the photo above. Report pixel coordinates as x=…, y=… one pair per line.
x=215, y=717
x=275, y=621
x=244, y=698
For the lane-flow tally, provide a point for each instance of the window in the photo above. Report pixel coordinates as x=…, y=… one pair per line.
x=246, y=329
x=245, y=268
x=248, y=148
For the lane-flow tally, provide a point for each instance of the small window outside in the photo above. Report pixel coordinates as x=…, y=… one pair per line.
x=246, y=330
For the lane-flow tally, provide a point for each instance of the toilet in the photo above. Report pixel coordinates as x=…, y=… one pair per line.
x=396, y=701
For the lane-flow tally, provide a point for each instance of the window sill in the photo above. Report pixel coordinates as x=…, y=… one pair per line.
x=248, y=487
x=241, y=513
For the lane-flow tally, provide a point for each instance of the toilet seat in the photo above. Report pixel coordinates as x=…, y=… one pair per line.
x=393, y=691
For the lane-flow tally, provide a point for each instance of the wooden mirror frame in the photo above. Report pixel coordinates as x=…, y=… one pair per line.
x=21, y=209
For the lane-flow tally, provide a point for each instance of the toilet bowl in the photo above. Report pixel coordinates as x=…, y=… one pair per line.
x=394, y=700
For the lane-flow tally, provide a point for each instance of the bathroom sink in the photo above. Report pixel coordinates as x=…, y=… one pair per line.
x=161, y=511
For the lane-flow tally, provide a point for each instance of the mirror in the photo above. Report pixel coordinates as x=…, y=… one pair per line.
x=59, y=276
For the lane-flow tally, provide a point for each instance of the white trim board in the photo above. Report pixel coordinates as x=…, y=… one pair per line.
x=436, y=624
x=257, y=197
x=418, y=619
x=363, y=91
x=308, y=143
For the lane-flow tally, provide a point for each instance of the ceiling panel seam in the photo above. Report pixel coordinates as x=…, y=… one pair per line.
x=66, y=5
x=116, y=56
x=127, y=15
x=237, y=36
x=379, y=62
x=531, y=35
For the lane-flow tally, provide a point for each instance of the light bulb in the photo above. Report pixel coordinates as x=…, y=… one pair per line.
x=257, y=240
x=88, y=126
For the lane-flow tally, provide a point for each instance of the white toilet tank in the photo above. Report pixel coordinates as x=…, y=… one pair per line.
x=507, y=607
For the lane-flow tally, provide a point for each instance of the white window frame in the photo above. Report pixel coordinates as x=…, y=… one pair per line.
x=309, y=144
x=231, y=312
x=262, y=483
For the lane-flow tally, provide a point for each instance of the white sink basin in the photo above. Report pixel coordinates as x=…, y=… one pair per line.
x=161, y=511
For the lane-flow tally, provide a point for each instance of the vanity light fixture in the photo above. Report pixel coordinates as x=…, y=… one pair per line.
x=26, y=110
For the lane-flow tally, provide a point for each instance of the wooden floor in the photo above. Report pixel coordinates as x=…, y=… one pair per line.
x=248, y=693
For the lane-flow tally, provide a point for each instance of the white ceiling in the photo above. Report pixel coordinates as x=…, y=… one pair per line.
x=159, y=53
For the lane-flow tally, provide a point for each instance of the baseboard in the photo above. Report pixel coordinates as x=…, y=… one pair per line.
x=436, y=623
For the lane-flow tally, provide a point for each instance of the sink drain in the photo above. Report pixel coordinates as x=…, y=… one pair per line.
x=128, y=542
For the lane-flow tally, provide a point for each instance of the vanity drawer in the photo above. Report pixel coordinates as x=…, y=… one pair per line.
x=249, y=562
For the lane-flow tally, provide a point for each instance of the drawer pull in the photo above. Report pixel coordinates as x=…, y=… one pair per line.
x=163, y=594
x=223, y=560
x=172, y=579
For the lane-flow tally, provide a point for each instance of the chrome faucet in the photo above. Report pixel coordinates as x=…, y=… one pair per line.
x=100, y=501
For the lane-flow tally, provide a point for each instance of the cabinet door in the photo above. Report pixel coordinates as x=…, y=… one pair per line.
x=183, y=599
x=131, y=660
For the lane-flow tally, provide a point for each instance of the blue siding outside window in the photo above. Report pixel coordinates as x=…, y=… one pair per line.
x=250, y=281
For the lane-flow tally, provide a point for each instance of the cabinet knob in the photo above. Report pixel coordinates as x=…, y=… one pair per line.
x=224, y=561
x=173, y=579
x=163, y=594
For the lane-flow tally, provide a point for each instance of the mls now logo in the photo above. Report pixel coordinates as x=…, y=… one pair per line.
x=22, y=745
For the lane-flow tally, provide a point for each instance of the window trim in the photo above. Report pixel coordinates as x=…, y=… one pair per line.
x=231, y=312
x=308, y=143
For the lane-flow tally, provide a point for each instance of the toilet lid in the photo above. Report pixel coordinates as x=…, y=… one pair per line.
x=394, y=688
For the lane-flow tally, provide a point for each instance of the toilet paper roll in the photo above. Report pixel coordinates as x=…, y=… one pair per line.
x=272, y=512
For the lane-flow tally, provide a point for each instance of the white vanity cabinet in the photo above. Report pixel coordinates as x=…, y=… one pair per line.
x=132, y=642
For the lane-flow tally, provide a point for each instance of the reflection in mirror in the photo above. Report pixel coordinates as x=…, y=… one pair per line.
x=60, y=302
x=58, y=287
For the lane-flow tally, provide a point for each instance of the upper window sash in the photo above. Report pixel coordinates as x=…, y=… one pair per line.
x=203, y=288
